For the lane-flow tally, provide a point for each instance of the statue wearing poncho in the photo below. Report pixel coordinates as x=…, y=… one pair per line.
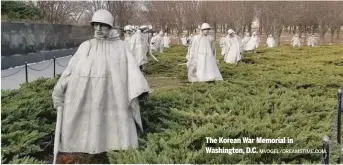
x=253, y=43
x=99, y=94
x=311, y=41
x=138, y=47
x=232, y=48
x=295, y=40
x=201, y=58
x=270, y=41
x=245, y=40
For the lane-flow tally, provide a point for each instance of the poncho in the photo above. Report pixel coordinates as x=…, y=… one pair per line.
x=166, y=41
x=253, y=43
x=232, y=49
x=311, y=41
x=295, y=41
x=98, y=92
x=202, y=63
x=184, y=41
x=270, y=42
x=138, y=47
x=245, y=40
x=158, y=43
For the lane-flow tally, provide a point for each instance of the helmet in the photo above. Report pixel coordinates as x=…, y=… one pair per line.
x=205, y=26
x=143, y=27
x=125, y=27
x=230, y=31
x=103, y=16
x=128, y=27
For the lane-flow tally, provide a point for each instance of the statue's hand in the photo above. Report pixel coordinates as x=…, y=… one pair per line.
x=143, y=97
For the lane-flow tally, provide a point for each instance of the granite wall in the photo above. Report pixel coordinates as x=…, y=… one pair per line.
x=23, y=38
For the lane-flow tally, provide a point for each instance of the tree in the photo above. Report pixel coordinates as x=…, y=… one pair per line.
x=124, y=10
x=55, y=12
x=20, y=10
x=241, y=15
x=275, y=15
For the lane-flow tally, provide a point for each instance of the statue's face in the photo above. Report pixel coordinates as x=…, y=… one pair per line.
x=206, y=32
x=101, y=30
x=128, y=31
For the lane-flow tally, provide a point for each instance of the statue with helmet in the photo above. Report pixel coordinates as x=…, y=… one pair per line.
x=232, y=48
x=146, y=38
x=158, y=42
x=253, y=43
x=201, y=57
x=138, y=44
x=97, y=96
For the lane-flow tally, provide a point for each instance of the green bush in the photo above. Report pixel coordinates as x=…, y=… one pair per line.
x=279, y=92
x=27, y=120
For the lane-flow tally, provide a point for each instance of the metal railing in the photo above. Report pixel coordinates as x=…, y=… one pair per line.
x=26, y=67
x=327, y=142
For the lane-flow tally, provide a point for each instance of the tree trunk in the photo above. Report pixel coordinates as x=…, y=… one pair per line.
x=215, y=31
x=332, y=30
x=300, y=31
x=305, y=31
x=179, y=28
x=338, y=31
x=278, y=35
x=249, y=28
x=260, y=29
x=314, y=29
x=244, y=28
x=322, y=37
x=322, y=30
